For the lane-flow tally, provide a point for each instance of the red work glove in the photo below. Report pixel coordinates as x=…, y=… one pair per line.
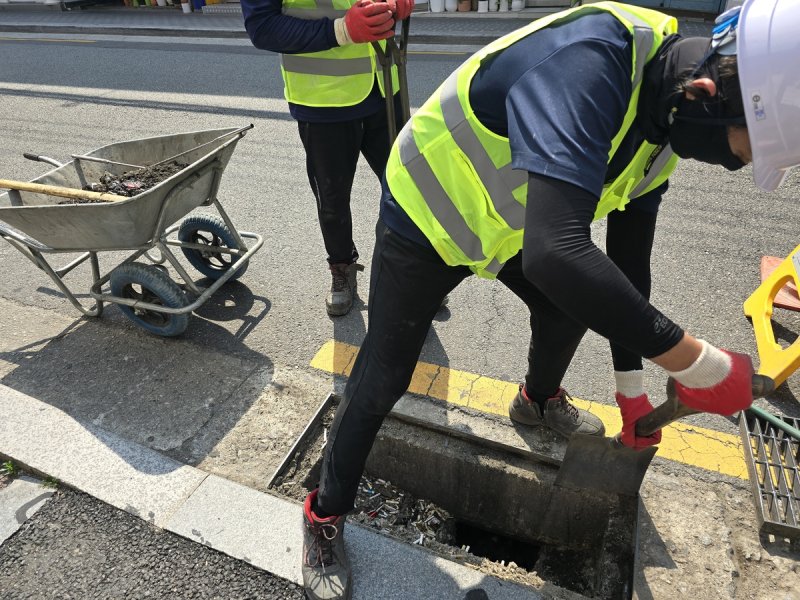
x=732, y=394
x=632, y=409
x=401, y=8
x=368, y=21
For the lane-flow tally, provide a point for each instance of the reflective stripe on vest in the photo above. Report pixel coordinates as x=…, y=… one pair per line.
x=310, y=65
x=324, y=9
x=500, y=182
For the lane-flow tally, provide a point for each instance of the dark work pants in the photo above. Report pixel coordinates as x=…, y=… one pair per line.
x=407, y=285
x=332, y=151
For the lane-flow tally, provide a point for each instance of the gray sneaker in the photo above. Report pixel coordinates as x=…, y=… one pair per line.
x=326, y=570
x=560, y=415
x=343, y=288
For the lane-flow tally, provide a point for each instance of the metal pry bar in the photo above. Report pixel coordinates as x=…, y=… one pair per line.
x=395, y=55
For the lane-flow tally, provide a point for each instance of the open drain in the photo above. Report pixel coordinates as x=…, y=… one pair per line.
x=496, y=547
x=475, y=504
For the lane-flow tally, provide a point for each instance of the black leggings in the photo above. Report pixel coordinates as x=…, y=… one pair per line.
x=332, y=151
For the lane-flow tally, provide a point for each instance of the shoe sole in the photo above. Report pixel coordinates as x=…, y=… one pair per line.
x=337, y=312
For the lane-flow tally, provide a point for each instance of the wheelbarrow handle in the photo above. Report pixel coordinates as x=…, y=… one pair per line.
x=62, y=192
x=673, y=409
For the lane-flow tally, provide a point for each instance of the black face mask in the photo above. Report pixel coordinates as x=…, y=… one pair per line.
x=707, y=143
x=699, y=128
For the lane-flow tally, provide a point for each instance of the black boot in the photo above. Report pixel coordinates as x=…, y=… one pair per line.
x=343, y=288
x=326, y=570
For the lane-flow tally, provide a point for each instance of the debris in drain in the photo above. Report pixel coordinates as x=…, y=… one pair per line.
x=130, y=183
x=384, y=507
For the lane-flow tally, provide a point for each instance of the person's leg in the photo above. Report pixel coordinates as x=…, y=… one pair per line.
x=375, y=143
x=554, y=335
x=554, y=339
x=629, y=244
x=332, y=151
x=407, y=285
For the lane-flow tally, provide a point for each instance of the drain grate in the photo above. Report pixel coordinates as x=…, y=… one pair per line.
x=772, y=458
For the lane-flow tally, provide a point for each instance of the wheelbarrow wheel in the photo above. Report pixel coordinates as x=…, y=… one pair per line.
x=213, y=232
x=148, y=283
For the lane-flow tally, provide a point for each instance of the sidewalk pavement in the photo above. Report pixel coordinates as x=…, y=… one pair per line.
x=469, y=28
x=257, y=528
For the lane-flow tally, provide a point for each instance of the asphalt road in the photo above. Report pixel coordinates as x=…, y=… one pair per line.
x=73, y=96
x=76, y=547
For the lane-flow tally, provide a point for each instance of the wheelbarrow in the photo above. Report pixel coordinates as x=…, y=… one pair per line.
x=147, y=226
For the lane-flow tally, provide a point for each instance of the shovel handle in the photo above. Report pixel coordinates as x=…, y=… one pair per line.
x=62, y=192
x=673, y=409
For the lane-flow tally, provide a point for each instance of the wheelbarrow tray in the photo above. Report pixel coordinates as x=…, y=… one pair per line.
x=127, y=224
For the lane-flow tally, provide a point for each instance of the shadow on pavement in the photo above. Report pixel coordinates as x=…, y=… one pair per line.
x=177, y=396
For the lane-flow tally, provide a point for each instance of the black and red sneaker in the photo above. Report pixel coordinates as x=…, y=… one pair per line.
x=326, y=570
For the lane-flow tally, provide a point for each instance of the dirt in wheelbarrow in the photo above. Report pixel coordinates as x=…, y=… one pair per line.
x=130, y=183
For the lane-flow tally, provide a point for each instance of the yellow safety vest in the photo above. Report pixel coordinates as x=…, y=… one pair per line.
x=341, y=76
x=453, y=176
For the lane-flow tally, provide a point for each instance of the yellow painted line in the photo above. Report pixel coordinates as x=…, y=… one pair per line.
x=696, y=446
x=14, y=39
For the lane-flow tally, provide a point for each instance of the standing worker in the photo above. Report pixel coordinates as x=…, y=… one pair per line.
x=336, y=95
x=571, y=118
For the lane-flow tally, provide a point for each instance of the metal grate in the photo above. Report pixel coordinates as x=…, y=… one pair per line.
x=772, y=458
x=222, y=9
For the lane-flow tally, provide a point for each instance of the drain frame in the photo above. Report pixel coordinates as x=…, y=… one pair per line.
x=494, y=488
x=773, y=464
x=303, y=437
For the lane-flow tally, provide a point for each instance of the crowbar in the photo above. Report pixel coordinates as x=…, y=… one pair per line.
x=395, y=55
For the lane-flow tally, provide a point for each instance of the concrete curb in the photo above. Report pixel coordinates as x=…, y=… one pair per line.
x=261, y=529
x=143, y=31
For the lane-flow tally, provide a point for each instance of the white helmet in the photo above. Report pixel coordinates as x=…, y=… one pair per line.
x=768, y=49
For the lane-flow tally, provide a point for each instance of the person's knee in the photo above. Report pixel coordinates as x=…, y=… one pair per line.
x=540, y=260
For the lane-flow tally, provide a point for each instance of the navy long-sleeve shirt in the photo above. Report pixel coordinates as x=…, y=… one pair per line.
x=269, y=29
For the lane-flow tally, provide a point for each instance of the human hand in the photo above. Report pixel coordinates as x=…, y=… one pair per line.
x=401, y=8
x=732, y=394
x=368, y=21
x=633, y=409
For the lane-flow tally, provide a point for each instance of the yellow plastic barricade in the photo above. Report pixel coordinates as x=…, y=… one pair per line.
x=776, y=362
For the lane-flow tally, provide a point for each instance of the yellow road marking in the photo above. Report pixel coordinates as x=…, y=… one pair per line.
x=14, y=39
x=695, y=446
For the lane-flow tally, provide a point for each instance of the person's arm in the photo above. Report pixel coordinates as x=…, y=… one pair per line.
x=269, y=29
x=560, y=258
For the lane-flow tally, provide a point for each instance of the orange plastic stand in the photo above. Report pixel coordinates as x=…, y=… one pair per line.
x=787, y=297
x=776, y=362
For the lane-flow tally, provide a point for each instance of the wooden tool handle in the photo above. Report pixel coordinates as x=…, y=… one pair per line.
x=62, y=192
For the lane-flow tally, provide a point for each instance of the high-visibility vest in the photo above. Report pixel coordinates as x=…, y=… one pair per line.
x=453, y=176
x=341, y=76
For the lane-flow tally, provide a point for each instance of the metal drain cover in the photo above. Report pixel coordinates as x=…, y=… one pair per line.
x=772, y=458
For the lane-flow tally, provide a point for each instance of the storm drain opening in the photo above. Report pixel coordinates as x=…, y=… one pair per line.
x=477, y=504
x=495, y=546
